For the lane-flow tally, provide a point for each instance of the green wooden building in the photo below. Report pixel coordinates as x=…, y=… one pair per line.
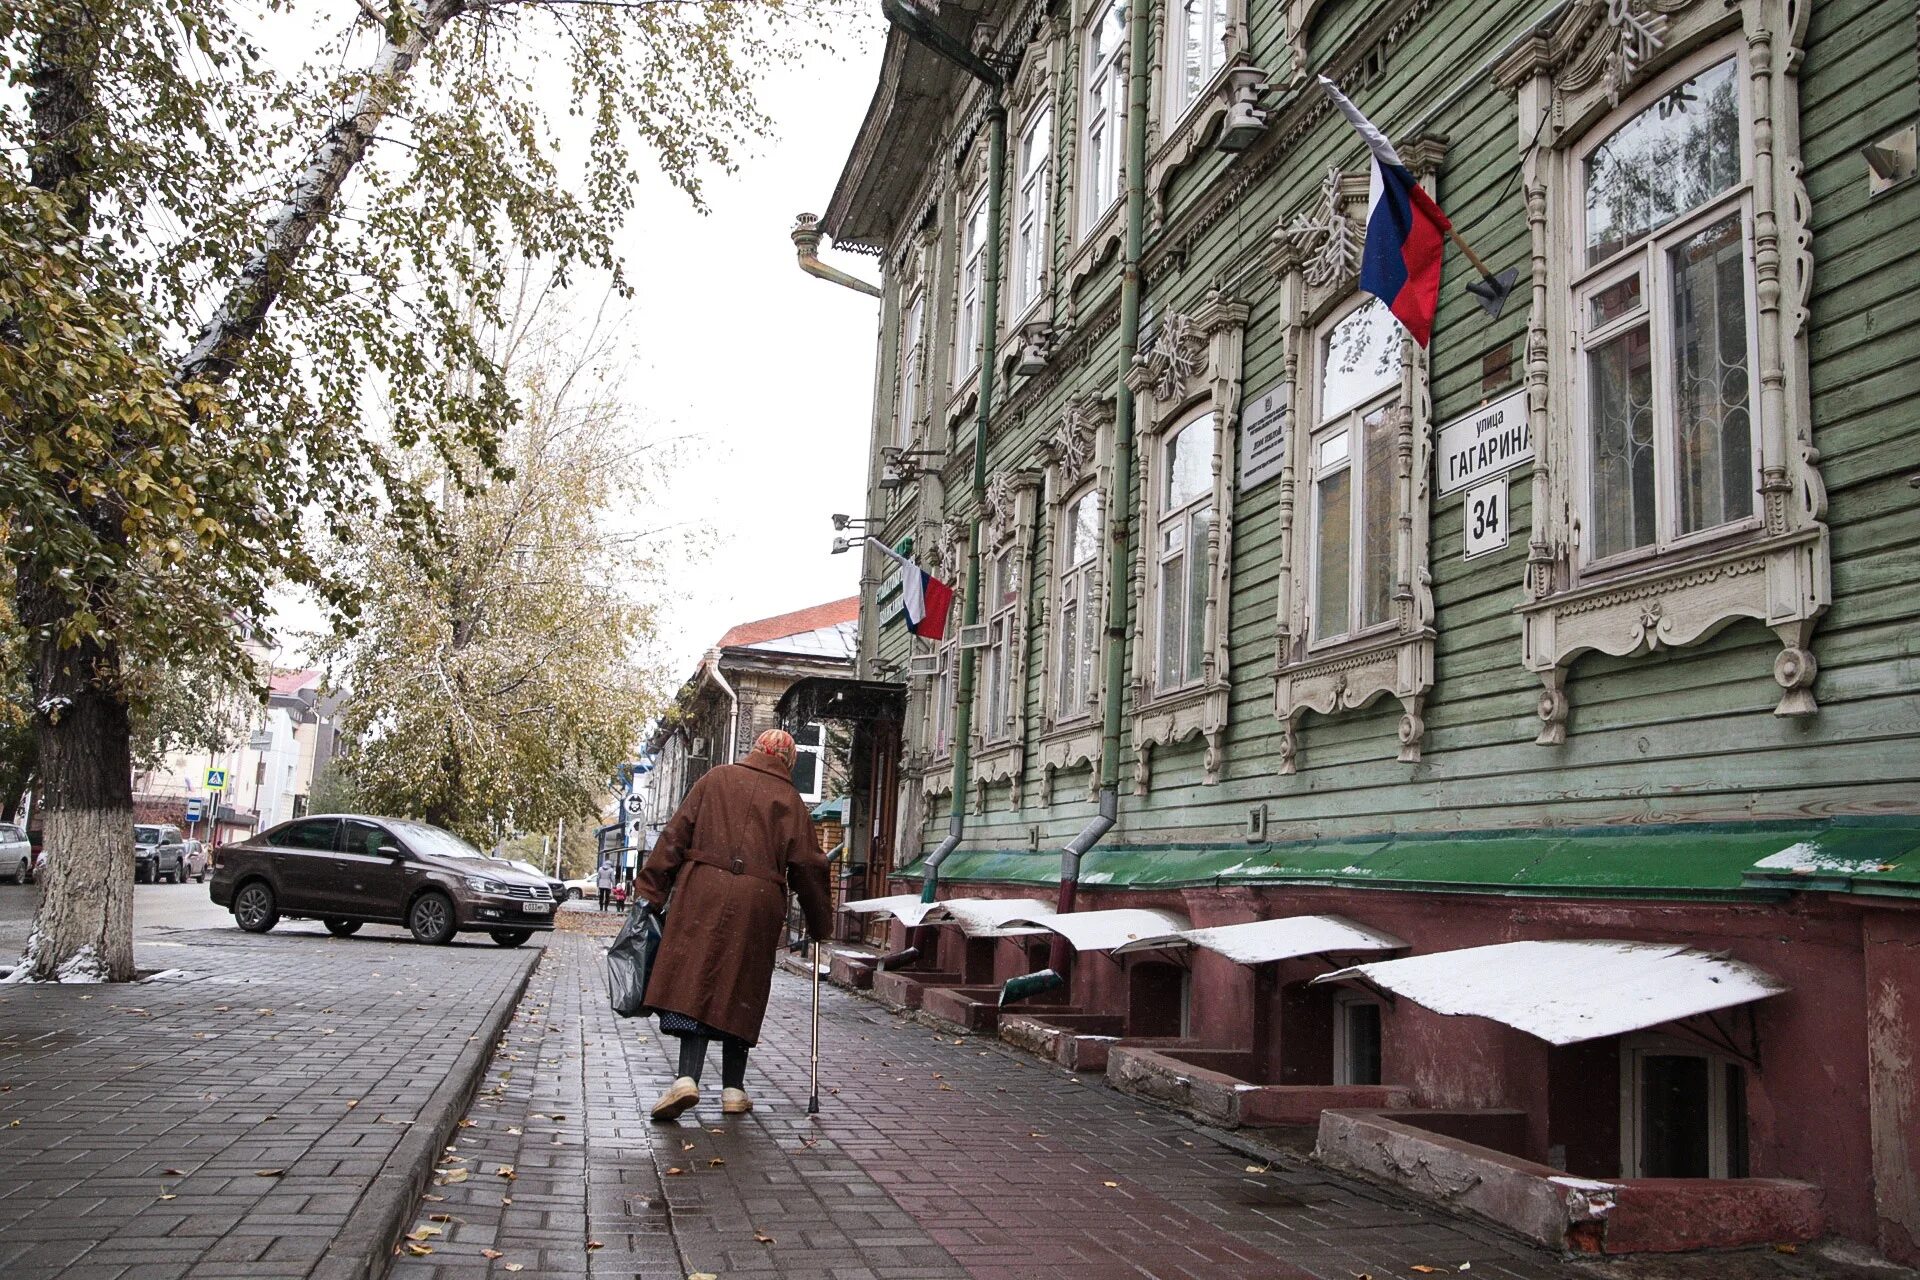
x=1598, y=618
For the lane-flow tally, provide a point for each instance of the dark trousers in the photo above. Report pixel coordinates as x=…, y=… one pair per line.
x=606, y=895
x=733, y=1060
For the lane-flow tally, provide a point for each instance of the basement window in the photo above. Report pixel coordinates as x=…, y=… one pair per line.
x=1356, y=1040
x=1683, y=1112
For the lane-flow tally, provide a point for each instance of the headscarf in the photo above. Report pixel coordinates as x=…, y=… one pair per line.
x=777, y=743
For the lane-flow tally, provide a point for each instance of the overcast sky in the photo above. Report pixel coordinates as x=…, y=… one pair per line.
x=769, y=369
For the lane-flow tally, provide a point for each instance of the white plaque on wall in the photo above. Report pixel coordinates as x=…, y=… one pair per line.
x=1487, y=442
x=1484, y=518
x=1263, y=435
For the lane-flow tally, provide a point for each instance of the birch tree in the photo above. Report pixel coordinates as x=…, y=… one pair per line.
x=231, y=284
x=498, y=673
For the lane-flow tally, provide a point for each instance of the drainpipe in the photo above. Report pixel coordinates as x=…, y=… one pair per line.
x=733, y=702
x=806, y=243
x=920, y=27
x=1060, y=955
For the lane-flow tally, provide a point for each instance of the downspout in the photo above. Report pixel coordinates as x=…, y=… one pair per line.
x=806, y=243
x=920, y=27
x=733, y=701
x=1059, y=968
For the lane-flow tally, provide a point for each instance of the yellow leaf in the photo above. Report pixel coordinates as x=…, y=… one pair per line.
x=453, y=1176
x=419, y=1250
x=423, y=1233
x=1109, y=1184
x=675, y=1172
x=1423, y=1269
x=761, y=1237
x=491, y=1254
x=167, y=1195
x=506, y=1171
x=269, y=1173
x=1786, y=1248
x=594, y=1244
x=715, y=1163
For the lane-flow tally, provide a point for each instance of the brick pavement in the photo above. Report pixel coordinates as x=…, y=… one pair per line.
x=248, y=1118
x=936, y=1157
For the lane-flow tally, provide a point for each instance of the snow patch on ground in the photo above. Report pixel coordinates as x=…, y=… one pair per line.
x=1582, y=1184
x=169, y=975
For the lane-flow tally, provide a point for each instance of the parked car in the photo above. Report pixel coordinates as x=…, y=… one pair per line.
x=584, y=887
x=198, y=861
x=347, y=870
x=158, y=851
x=16, y=853
x=557, y=887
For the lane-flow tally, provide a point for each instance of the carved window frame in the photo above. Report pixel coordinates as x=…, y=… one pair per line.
x=1571, y=82
x=971, y=207
x=1030, y=102
x=1078, y=457
x=999, y=749
x=1317, y=257
x=1192, y=365
x=1183, y=129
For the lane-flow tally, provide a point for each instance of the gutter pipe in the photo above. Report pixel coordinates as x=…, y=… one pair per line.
x=806, y=243
x=1059, y=970
x=920, y=27
x=733, y=699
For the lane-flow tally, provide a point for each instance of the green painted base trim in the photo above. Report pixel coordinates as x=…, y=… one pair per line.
x=1717, y=860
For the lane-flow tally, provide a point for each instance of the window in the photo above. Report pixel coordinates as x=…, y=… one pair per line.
x=1106, y=111
x=366, y=838
x=1030, y=210
x=1199, y=52
x=1077, y=636
x=316, y=834
x=973, y=256
x=943, y=695
x=809, y=761
x=1186, y=516
x=1356, y=1040
x=912, y=349
x=1662, y=308
x=1683, y=1112
x=1003, y=598
x=1353, y=472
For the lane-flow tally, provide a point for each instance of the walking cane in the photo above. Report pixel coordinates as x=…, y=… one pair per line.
x=813, y=1098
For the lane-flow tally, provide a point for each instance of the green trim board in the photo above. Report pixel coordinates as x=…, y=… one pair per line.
x=1861, y=855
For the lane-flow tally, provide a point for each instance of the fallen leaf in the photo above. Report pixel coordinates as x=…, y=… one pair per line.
x=491, y=1254
x=13, y=1124
x=418, y=1250
x=594, y=1244
x=424, y=1233
x=352, y=1103
x=556, y=1116
x=685, y=1145
x=761, y=1237
x=1109, y=1184
x=514, y=1266
x=716, y=1131
x=506, y=1199
x=1786, y=1248
x=453, y=1176
x=431, y=1196
x=513, y=1129
x=1423, y=1269
x=167, y=1195
x=1259, y=1168
x=269, y=1173
x=1036, y=1135
x=172, y=1173
x=715, y=1163
x=467, y=1124
x=439, y=1217
x=675, y=1172
x=506, y=1171
x=701, y=1275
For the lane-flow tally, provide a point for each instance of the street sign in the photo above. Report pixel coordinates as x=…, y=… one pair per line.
x=216, y=779
x=1487, y=442
x=193, y=809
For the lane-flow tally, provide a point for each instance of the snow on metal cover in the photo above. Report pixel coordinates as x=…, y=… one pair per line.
x=904, y=907
x=1263, y=941
x=995, y=917
x=1569, y=991
x=1125, y=929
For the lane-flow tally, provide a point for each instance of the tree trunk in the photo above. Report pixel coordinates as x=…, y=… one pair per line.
x=83, y=930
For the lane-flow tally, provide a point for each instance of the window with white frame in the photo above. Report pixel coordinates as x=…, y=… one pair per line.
x=912, y=358
x=1077, y=637
x=1663, y=315
x=810, y=761
x=973, y=267
x=1033, y=159
x=1356, y=1039
x=1105, y=112
x=1003, y=599
x=1353, y=471
x=1683, y=1112
x=942, y=712
x=1199, y=35
x=1180, y=576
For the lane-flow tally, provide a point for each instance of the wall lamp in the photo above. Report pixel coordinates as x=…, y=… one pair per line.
x=842, y=522
x=843, y=544
x=897, y=465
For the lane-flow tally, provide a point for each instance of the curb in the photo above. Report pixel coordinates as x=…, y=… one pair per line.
x=363, y=1247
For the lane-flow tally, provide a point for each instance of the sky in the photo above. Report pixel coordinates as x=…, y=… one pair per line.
x=767, y=371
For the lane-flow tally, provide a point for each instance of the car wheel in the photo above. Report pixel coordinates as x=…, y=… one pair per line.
x=342, y=928
x=255, y=908
x=511, y=937
x=23, y=874
x=201, y=878
x=431, y=918
x=178, y=875
x=573, y=895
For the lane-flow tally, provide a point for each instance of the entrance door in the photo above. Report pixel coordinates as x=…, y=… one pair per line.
x=883, y=800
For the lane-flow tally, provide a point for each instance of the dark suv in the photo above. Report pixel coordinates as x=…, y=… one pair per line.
x=346, y=870
x=158, y=854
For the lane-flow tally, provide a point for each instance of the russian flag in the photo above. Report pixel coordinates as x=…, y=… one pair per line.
x=1406, y=232
x=924, y=597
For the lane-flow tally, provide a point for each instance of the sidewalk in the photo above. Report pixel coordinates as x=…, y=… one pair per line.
x=935, y=1157
x=264, y=1114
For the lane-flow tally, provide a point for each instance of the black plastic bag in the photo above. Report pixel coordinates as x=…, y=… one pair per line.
x=630, y=959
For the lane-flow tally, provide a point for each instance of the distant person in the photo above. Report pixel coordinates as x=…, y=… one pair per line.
x=604, y=879
x=620, y=896
x=741, y=838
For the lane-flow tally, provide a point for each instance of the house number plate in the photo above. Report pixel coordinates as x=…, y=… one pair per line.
x=1485, y=517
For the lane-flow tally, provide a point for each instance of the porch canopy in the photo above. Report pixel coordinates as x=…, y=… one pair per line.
x=1566, y=992
x=1264, y=941
x=1118, y=931
x=977, y=917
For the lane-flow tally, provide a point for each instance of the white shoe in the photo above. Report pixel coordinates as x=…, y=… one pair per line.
x=683, y=1094
x=735, y=1102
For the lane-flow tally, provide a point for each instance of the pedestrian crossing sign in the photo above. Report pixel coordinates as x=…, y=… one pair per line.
x=216, y=779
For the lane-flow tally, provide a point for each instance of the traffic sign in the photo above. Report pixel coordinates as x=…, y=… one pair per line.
x=634, y=804
x=193, y=809
x=216, y=779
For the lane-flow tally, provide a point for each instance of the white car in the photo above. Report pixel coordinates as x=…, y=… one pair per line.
x=16, y=853
x=584, y=887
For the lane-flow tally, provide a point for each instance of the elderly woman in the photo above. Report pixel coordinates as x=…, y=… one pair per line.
x=740, y=839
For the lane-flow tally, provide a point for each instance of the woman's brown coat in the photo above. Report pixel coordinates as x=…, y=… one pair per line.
x=740, y=838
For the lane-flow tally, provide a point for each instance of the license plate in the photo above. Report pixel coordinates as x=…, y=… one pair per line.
x=536, y=908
